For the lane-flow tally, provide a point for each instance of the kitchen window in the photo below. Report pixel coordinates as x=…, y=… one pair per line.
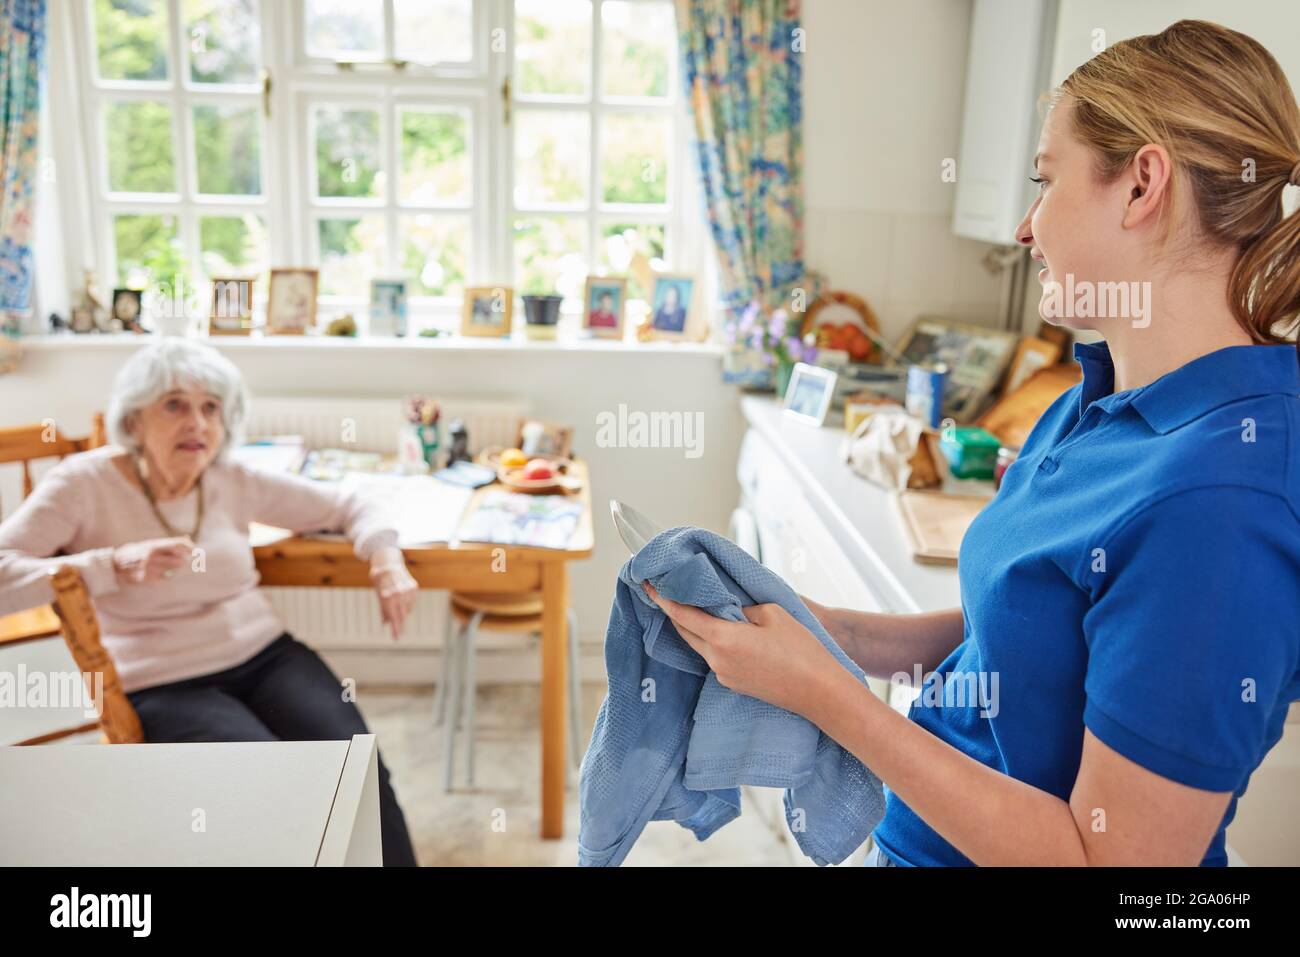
x=456, y=142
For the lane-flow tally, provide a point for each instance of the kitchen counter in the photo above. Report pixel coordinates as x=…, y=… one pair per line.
x=862, y=517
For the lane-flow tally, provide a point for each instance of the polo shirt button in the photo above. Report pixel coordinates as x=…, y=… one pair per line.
x=1048, y=465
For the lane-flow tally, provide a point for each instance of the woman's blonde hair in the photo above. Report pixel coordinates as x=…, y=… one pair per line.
x=1221, y=106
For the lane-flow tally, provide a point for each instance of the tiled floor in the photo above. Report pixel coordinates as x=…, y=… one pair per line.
x=496, y=822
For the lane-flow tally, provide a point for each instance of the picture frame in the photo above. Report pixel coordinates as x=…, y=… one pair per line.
x=810, y=392
x=1031, y=355
x=488, y=311
x=535, y=437
x=232, y=299
x=389, y=305
x=604, y=305
x=291, y=301
x=976, y=357
x=670, y=305
x=128, y=308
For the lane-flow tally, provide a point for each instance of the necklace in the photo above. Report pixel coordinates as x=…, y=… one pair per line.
x=153, y=504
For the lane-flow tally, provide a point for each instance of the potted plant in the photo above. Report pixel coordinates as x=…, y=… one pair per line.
x=541, y=314
x=774, y=338
x=422, y=417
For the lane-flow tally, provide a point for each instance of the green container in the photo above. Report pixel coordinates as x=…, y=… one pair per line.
x=971, y=452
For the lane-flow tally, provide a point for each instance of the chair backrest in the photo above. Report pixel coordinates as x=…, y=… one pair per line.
x=118, y=722
x=27, y=443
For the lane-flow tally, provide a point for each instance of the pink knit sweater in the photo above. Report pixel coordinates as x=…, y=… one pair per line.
x=210, y=615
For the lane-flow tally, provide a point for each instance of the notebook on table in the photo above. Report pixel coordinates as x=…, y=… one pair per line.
x=516, y=518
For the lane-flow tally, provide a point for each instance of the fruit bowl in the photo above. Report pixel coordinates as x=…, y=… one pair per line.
x=514, y=480
x=538, y=474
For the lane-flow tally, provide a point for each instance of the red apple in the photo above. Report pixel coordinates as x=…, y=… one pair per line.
x=538, y=469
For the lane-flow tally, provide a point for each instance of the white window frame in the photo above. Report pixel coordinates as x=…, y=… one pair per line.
x=178, y=92
x=598, y=213
x=287, y=204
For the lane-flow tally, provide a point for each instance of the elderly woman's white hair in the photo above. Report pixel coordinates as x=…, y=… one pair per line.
x=165, y=365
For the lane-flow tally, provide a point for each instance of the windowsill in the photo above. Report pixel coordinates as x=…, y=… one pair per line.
x=515, y=343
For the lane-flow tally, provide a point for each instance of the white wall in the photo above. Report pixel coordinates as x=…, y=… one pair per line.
x=883, y=89
x=1274, y=23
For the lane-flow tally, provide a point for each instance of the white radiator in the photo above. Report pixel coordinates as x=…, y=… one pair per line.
x=372, y=425
x=343, y=623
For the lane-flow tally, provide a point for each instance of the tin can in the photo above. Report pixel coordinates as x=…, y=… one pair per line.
x=1006, y=455
x=924, y=396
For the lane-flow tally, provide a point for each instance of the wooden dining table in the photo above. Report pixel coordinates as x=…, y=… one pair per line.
x=309, y=562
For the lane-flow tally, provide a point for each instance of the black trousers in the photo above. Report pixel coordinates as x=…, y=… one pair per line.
x=283, y=693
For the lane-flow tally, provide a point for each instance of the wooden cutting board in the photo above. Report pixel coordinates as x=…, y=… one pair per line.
x=935, y=523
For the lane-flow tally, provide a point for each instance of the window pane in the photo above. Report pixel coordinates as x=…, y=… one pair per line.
x=433, y=31
x=636, y=48
x=550, y=256
x=131, y=39
x=619, y=242
x=345, y=29
x=224, y=38
x=552, y=157
x=138, y=135
x=148, y=250
x=634, y=158
x=351, y=253
x=228, y=155
x=553, y=47
x=435, y=251
x=235, y=246
x=435, y=156
x=348, y=152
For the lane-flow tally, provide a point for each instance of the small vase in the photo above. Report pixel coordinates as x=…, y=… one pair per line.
x=430, y=437
x=783, y=373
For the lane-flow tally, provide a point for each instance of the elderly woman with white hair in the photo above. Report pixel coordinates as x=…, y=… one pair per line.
x=157, y=524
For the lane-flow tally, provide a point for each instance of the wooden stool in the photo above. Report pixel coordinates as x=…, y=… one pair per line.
x=453, y=701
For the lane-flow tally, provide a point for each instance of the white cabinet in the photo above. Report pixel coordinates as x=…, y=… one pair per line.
x=1006, y=69
x=240, y=804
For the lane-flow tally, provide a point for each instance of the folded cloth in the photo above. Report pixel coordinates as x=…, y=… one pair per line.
x=671, y=743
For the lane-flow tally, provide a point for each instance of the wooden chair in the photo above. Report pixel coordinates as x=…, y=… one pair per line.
x=26, y=444
x=117, y=721
x=453, y=703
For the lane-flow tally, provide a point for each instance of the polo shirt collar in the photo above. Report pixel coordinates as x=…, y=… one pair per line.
x=1190, y=391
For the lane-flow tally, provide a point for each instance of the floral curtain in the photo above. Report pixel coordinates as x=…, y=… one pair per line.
x=742, y=66
x=22, y=59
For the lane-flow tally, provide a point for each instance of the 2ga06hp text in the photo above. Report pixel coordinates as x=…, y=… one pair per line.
x=1191, y=897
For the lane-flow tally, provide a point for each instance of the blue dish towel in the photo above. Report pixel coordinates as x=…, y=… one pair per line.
x=671, y=743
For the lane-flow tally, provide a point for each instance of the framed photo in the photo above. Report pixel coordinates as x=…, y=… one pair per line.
x=976, y=357
x=603, y=306
x=128, y=305
x=670, y=305
x=291, y=303
x=232, y=307
x=489, y=311
x=808, y=396
x=1031, y=355
x=388, y=315
x=546, y=439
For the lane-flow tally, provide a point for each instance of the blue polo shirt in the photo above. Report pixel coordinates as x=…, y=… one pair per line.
x=1137, y=574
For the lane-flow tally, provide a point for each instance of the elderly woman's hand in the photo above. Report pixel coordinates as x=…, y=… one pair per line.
x=152, y=560
x=772, y=657
x=394, y=586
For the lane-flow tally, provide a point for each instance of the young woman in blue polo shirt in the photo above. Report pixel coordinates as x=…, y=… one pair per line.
x=1133, y=591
